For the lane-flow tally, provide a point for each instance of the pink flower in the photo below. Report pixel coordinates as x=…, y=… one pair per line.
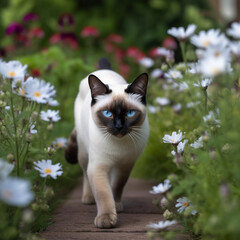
x=115, y=38
x=36, y=32
x=169, y=43
x=89, y=31
x=55, y=38
x=135, y=53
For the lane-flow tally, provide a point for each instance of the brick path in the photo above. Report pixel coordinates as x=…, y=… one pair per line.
x=74, y=221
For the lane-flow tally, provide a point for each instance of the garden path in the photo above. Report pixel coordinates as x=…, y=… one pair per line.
x=74, y=220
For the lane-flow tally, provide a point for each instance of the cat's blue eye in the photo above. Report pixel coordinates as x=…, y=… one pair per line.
x=131, y=113
x=106, y=113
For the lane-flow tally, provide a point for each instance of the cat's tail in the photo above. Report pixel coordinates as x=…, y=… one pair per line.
x=71, y=151
x=104, y=63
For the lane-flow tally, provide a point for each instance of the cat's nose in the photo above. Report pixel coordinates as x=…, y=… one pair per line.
x=118, y=125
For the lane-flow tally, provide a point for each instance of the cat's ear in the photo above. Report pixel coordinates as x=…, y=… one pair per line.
x=139, y=86
x=97, y=86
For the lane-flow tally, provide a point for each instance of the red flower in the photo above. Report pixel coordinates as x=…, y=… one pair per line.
x=124, y=70
x=135, y=53
x=55, y=38
x=169, y=43
x=35, y=72
x=36, y=32
x=89, y=31
x=115, y=38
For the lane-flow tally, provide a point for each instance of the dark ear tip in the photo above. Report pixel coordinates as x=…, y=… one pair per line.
x=144, y=75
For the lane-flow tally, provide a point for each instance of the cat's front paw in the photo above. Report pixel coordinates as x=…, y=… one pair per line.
x=88, y=199
x=106, y=220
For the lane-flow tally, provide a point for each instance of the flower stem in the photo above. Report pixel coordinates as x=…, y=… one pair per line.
x=16, y=136
x=182, y=46
x=205, y=100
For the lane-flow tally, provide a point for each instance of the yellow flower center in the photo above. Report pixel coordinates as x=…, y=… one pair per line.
x=12, y=74
x=206, y=43
x=59, y=144
x=47, y=170
x=186, y=204
x=22, y=91
x=37, y=94
x=215, y=71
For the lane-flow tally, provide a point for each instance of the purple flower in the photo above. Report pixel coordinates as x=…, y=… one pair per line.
x=30, y=17
x=14, y=28
x=66, y=19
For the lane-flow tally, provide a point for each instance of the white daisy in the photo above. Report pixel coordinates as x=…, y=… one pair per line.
x=182, y=34
x=211, y=117
x=161, y=224
x=235, y=48
x=192, y=104
x=152, y=109
x=175, y=138
x=183, y=86
x=162, y=101
x=39, y=91
x=177, y=107
x=234, y=31
x=12, y=69
x=161, y=187
x=198, y=143
x=32, y=130
x=46, y=168
x=193, y=68
x=183, y=204
x=50, y=116
x=173, y=74
x=52, y=102
x=211, y=37
x=60, y=142
x=146, y=62
x=156, y=73
x=161, y=51
x=204, y=83
x=19, y=85
x=16, y=192
x=180, y=147
x=5, y=168
x=213, y=66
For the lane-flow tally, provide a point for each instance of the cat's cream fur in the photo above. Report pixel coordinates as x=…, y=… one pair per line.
x=106, y=160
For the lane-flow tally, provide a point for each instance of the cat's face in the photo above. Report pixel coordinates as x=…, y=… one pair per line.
x=121, y=109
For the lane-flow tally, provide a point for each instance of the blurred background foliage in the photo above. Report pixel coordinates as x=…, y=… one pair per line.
x=143, y=23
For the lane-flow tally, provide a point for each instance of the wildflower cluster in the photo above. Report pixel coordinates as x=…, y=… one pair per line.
x=201, y=99
x=21, y=127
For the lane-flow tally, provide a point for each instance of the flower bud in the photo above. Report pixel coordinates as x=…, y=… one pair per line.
x=50, y=127
x=29, y=137
x=2, y=104
x=27, y=216
x=164, y=67
x=50, y=150
x=48, y=193
x=168, y=215
x=34, y=115
x=150, y=235
x=164, y=203
x=10, y=157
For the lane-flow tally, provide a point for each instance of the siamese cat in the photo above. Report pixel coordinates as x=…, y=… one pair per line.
x=111, y=131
